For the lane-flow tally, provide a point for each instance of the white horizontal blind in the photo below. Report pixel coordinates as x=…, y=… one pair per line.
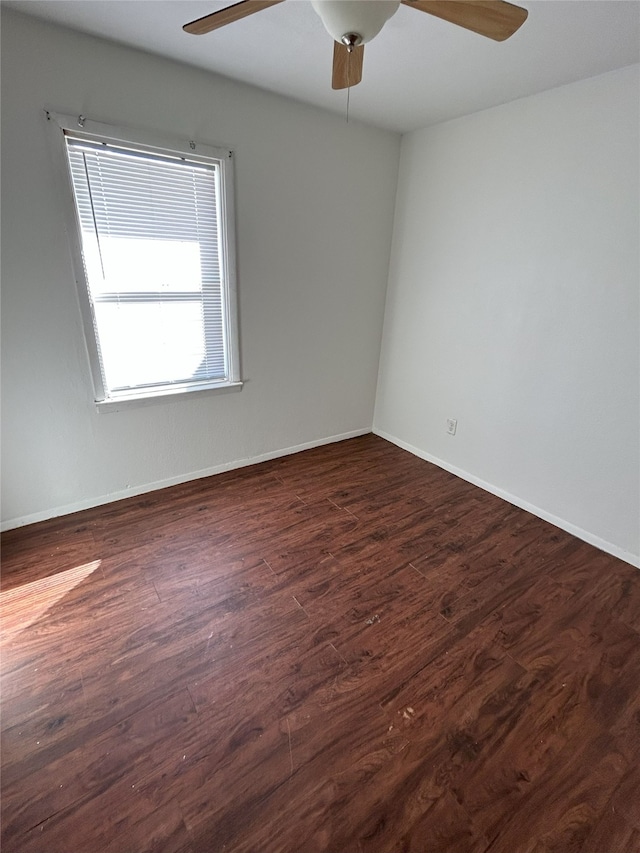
x=151, y=245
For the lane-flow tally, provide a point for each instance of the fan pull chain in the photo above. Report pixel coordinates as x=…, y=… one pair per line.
x=349, y=54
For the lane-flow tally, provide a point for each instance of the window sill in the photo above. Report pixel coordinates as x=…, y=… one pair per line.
x=118, y=404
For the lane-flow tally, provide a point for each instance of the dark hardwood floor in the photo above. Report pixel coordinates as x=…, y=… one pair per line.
x=347, y=650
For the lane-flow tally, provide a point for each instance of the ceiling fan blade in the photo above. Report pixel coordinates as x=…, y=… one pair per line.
x=227, y=16
x=495, y=19
x=347, y=67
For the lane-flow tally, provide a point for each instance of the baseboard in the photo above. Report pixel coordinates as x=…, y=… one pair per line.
x=78, y=506
x=578, y=532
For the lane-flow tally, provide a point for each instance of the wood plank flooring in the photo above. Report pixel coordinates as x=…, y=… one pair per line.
x=347, y=650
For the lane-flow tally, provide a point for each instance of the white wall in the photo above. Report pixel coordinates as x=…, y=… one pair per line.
x=513, y=305
x=314, y=234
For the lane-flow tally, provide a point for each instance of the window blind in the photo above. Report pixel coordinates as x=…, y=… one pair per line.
x=151, y=244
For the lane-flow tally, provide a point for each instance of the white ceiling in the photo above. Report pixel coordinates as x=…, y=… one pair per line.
x=418, y=71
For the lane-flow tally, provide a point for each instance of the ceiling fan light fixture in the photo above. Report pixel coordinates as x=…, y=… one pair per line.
x=354, y=19
x=353, y=23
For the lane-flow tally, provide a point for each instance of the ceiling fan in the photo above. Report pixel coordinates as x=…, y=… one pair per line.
x=352, y=23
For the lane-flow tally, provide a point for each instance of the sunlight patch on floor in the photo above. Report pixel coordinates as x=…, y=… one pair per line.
x=23, y=605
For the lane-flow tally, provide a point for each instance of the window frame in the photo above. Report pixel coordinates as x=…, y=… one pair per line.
x=79, y=127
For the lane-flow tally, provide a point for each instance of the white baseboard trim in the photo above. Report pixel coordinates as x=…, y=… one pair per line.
x=578, y=532
x=78, y=506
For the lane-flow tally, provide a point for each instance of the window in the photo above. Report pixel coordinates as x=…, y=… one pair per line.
x=155, y=263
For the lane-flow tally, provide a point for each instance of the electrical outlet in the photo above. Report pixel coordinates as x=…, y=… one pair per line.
x=452, y=425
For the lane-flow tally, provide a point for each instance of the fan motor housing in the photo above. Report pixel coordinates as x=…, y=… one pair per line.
x=346, y=20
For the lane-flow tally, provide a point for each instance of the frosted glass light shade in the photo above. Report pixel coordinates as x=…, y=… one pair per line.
x=362, y=17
